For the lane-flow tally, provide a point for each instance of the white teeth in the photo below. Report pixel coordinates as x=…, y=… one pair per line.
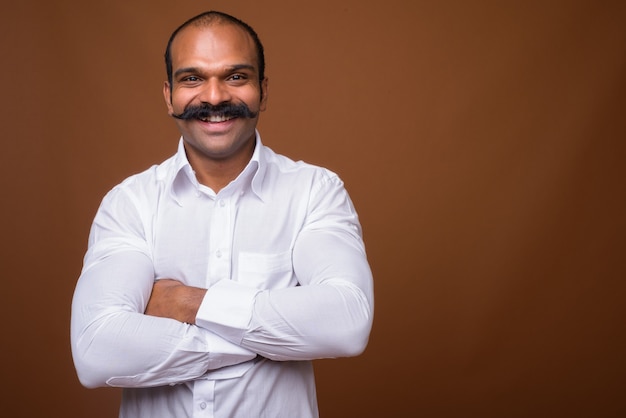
x=216, y=119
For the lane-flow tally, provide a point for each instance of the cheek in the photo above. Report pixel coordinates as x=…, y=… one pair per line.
x=177, y=103
x=180, y=99
x=255, y=101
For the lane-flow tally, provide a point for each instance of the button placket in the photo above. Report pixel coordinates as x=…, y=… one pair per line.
x=203, y=398
x=220, y=241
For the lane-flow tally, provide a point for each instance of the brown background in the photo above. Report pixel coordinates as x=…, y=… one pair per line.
x=483, y=143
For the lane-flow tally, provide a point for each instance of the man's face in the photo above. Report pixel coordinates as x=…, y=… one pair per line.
x=215, y=65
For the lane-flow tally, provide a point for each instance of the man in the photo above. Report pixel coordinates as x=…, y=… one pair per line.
x=213, y=279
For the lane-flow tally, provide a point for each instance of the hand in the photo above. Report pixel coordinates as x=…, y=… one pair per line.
x=172, y=299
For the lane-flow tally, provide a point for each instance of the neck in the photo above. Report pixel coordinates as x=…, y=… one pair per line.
x=217, y=177
x=218, y=173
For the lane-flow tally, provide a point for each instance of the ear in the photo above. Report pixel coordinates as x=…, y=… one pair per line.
x=264, y=92
x=167, y=95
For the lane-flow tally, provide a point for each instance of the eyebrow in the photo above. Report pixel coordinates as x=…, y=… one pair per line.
x=235, y=67
x=242, y=67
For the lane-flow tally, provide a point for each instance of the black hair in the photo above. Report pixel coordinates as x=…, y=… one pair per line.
x=207, y=18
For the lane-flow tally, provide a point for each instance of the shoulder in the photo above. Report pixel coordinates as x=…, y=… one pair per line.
x=146, y=184
x=281, y=165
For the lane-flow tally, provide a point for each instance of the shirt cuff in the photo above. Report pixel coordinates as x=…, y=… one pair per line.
x=223, y=353
x=226, y=309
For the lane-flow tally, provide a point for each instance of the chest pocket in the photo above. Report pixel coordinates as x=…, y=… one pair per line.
x=266, y=271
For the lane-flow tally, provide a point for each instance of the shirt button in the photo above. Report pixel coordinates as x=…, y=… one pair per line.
x=222, y=203
x=203, y=405
x=218, y=254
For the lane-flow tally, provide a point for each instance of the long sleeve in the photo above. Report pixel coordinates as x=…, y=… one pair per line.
x=329, y=313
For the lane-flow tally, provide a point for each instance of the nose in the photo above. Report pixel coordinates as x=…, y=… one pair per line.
x=214, y=92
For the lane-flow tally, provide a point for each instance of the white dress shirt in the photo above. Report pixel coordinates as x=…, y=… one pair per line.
x=281, y=253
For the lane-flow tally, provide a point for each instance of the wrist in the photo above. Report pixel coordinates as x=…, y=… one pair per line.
x=190, y=301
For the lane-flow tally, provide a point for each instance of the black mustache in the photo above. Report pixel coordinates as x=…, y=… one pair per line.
x=206, y=110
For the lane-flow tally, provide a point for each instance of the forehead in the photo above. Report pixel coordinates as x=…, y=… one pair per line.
x=213, y=44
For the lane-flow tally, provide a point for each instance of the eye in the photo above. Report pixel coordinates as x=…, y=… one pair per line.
x=190, y=78
x=237, y=77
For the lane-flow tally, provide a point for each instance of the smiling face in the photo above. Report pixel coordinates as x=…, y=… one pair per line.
x=215, y=65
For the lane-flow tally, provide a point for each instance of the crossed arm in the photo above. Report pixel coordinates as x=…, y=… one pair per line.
x=130, y=331
x=172, y=299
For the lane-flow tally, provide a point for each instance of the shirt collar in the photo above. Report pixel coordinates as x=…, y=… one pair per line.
x=184, y=182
